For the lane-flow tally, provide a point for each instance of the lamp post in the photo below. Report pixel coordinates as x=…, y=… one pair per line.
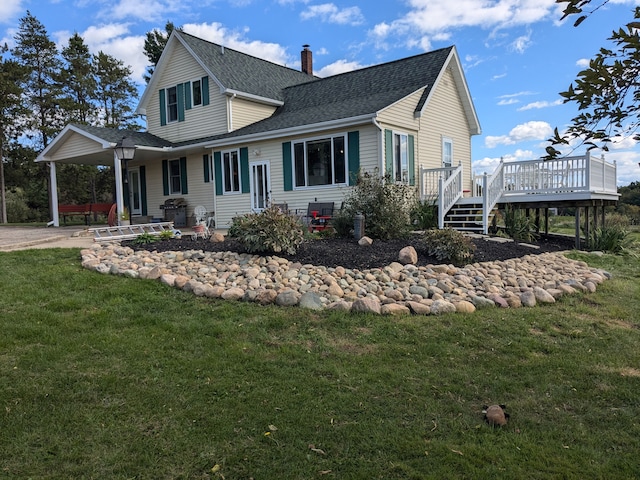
x=125, y=149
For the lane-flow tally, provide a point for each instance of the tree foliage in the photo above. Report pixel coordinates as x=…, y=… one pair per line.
x=154, y=45
x=606, y=93
x=114, y=91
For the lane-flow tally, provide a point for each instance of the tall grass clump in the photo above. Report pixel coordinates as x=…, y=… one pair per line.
x=518, y=226
x=386, y=206
x=612, y=236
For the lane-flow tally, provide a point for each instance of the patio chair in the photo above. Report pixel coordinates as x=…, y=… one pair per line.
x=319, y=215
x=201, y=228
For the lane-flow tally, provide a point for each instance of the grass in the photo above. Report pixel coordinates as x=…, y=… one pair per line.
x=109, y=377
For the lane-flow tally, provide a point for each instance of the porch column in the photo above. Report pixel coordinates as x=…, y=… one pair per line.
x=117, y=170
x=54, y=195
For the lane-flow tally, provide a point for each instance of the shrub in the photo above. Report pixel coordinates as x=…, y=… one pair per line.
x=449, y=245
x=342, y=223
x=424, y=215
x=17, y=209
x=144, y=239
x=607, y=239
x=518, y=226
x=384, y=204
x=271, y=230
x=166, y=235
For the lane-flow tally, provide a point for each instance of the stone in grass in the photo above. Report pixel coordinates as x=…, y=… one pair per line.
x=394, y=309
x=543, y=296
x=419, y=308
x=528, y=299
x=408, y=255
x=465, y=307
x=366, y=305
x=266, y=296
x=288, y=298
x=442, y=306
x=235, y=293
x=311, y=301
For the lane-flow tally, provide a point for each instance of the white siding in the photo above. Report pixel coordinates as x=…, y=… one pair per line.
x=228, y=206
x=245, y=112
x=200, y=121
x=75, y=145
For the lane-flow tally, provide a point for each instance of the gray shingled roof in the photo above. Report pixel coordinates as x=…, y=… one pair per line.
x=114, y=135
x=352, y=94
x=242, y=72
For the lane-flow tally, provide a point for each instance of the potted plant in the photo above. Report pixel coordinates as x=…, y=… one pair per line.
x=124, y=217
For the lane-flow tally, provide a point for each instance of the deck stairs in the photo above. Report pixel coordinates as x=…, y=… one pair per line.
x=467, y=217
x=127, y=232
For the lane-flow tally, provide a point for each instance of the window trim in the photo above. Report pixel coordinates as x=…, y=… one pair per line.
x=229, y=171
x=445, y=141
x=394, y=135
x=331, y=138
x=193, y=93
x=171, y=177
x=169, y=105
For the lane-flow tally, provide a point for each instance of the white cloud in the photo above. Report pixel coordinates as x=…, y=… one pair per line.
x=330, y=13
x=489, y=164
x=521, y=43
x=438, y=17
x=217, y=33
x=9, y=9
x=337, y=67
x=149, y=10
x=508, y=101
x=583, y=63
x=541, y=104
x=627, y=166
x=534, y=130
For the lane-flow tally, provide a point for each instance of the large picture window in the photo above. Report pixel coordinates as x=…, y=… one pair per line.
x=320, y=162
x=231, y=171
x=401, y=157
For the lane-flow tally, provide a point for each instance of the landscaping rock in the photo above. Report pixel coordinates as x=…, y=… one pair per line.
x=394, y=309
x=365, y=242
x=366, y=305
x=408, y=255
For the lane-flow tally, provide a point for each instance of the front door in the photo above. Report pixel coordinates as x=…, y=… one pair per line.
x=260, y=185
x=135, y=192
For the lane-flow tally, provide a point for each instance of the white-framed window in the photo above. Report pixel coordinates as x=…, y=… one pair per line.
x=196, y=92
x=400, y=157
x=231, y=171
x=172, y=104
x=175, y=177
x=320, y=161
x=447, y=152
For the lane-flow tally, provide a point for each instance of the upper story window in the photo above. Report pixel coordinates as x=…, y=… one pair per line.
x=196, y=92
x=401, y=157
x=320, y=161
x=172, y=104
x=447, y=152
x=231, y=171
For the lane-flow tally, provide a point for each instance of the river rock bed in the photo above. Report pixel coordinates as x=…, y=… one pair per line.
x=393, y=289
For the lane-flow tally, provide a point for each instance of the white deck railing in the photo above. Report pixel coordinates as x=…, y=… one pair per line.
x=584, y=173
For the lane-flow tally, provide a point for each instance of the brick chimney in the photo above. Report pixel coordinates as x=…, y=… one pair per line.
x=307, y=60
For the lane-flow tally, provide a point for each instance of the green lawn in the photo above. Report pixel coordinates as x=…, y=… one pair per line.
x=109, y=377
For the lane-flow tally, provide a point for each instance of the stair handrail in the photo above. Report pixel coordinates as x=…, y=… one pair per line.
x=492, y=188
x=449, y=192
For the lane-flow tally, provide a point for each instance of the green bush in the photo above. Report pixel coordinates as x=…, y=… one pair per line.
x=449, y=245
x=271, y=230
x=424, y=215
x=17, y=209
x=384, y=204
x=518, y=226
x=342, y=223
x=145, y=239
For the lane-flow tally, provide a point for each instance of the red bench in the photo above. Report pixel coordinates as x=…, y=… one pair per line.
x=85, y=210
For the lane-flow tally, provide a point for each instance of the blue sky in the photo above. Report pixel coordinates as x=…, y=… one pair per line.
x=516, y=54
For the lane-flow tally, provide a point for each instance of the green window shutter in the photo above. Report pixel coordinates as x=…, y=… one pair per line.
x=187, y=95
x=183, y=176
x=244, y=169
x=180, y=93
x=388, y=152
x=287, y=166
x=205, y=90
x=165, y=177
x=217, y=171
x=143, y=189
x=354, y=156
x=205, y=168
x=412, y=162
x=163, y=107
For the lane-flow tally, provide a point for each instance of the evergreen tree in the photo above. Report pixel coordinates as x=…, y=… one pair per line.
x=12, y=110
x=114, y=92
x=36, y=52
x=78, y=80
x=154, y=45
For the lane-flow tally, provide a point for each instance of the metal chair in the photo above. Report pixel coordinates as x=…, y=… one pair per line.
x=201, y=228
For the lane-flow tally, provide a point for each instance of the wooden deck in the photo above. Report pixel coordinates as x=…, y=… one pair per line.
x=579, y=181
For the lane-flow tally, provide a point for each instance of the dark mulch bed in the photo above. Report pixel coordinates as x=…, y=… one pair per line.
x=332, y=252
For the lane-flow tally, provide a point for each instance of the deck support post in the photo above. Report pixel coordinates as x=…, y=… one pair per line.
x=577, y=215
x=587, y=223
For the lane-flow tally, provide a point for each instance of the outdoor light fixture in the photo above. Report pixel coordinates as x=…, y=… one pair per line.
x=125, y=149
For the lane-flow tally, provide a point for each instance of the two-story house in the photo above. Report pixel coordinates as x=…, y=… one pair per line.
x=233, y=132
